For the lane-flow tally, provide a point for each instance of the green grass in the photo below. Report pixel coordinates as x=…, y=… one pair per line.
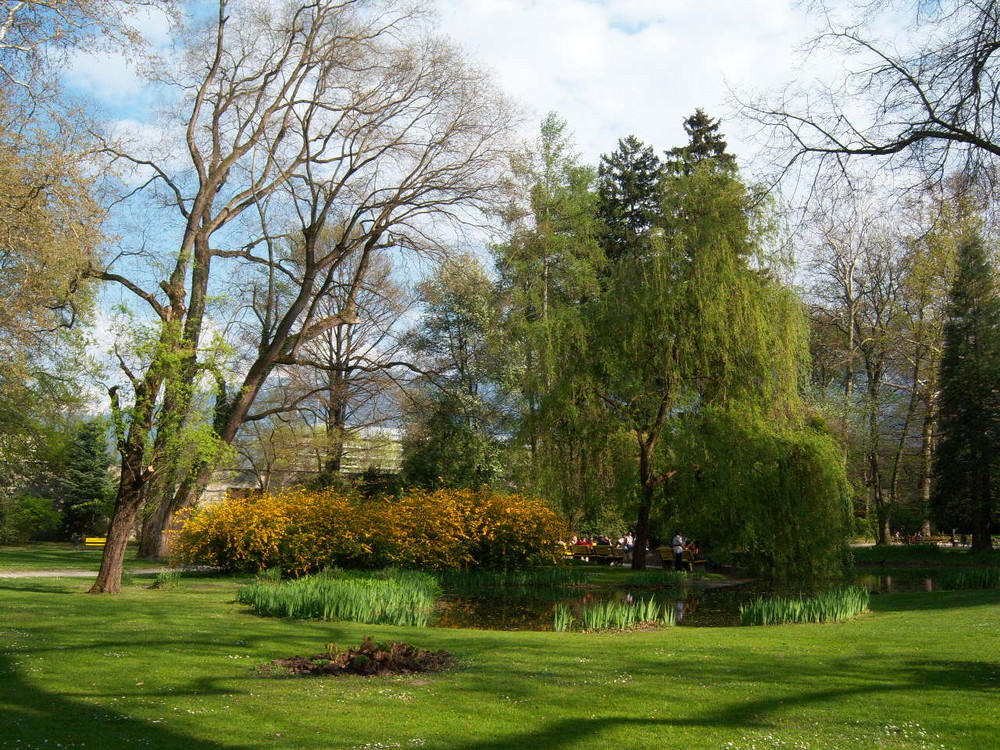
x=173, y=668
x=57, y=556
x=924, y=554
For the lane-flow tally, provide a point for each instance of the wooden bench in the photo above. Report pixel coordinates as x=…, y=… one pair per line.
x=602, y=553
x=95, y=542
x=688, y=560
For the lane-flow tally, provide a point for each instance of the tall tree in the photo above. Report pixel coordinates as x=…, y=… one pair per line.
x=690, y=335
x=705, y=146
x=547, y=268
x=965, y=460
x=85, y=483
x=312, y=118
x=628, y=190
x=458, y=418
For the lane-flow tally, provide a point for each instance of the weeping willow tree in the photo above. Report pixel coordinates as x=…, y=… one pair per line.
x=694, y=347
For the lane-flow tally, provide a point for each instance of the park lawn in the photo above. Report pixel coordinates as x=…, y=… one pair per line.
x=56, y=556
x=172, y=668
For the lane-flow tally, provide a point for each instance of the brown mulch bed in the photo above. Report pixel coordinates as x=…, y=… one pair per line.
x=368, y=660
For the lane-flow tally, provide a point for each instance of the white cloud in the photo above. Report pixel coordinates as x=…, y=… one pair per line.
x=630, y=66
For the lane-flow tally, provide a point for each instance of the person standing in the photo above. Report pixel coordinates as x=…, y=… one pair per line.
x=678, y=545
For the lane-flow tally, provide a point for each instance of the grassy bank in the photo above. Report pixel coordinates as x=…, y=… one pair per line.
x=172, y=668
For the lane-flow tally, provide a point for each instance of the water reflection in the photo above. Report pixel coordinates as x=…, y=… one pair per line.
x=532, y=608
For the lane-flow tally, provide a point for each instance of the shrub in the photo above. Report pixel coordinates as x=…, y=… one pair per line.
x=301, y=531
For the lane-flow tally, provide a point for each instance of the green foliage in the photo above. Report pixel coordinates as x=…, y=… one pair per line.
x=86, y=493
x=968, y=438
x=705, y=147
x=979, y=578
x=456, y=418
x=833, y=605
x=628, y=189
x=167, y=579
x=620, y=615
x=25, y=517
x=778, y=496
x=392, y=597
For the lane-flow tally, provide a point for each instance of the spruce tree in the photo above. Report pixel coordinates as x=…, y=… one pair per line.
x=85, y=484
x=628, y=197
x=705, y=147
x=969, y=414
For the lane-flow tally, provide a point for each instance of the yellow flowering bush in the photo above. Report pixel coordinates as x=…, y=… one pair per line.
x=303, y=531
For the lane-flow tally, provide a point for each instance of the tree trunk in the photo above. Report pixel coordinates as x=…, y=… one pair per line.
x=127, y=504
x=642, y=529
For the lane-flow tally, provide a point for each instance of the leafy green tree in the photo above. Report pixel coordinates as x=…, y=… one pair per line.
x=965, y=458
x=693, y=338
x=85, y=485
x=547, y=268
x=458, y=418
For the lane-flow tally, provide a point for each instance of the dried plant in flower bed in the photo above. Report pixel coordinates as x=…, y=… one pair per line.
x=368, y=660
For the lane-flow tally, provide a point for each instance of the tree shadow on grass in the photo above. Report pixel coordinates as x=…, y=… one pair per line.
x=31, y=717
x=740, y=717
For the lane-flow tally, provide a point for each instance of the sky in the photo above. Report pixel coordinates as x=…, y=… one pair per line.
x=610, y=68
x=613, y=68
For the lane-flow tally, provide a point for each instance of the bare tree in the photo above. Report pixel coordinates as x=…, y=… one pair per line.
x=344, y=129
x=926, y=100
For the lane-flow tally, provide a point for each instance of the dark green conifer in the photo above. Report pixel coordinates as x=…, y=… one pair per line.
x=705, y=146
x=85, y=485
x=628, y=190
x=966, y=455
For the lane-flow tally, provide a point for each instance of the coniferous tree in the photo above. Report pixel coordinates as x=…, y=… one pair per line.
x=969, y=416
x=628, y=190
x=85, y=484
x=705, y=146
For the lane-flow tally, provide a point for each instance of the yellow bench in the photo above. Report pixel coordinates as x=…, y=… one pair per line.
x=95, y=542
x=688, y=560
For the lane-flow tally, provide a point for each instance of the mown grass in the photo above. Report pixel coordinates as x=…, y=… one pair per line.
x=56, y=556
x=924, y=554
x=173, y=668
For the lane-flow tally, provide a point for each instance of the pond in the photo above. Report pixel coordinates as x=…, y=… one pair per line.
x=704, y=604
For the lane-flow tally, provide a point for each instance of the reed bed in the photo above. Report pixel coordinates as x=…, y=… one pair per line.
x=611, y=615
x=833, y=605
x=397, y=597
x=974, y=578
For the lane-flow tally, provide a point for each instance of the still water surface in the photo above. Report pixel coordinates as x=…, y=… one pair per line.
x=717, y=606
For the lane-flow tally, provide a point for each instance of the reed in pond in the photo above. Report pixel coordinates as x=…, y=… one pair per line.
x=832, y=605
x=392, y=598
x=974, y=578
x=612, y=615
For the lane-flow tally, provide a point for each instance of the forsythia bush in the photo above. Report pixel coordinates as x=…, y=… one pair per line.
x=304, y=531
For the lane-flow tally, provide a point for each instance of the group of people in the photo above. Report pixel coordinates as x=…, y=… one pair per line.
x=626, y=544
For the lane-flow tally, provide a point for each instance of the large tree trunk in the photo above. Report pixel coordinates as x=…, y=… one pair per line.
x=127, y=504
